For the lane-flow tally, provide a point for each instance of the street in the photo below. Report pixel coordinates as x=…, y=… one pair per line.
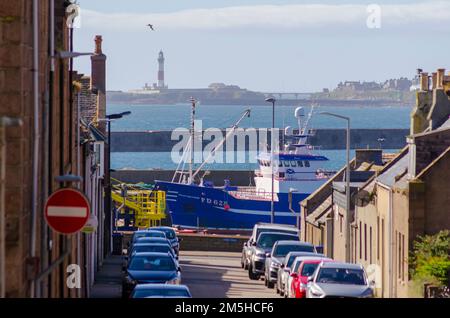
x=219, y=275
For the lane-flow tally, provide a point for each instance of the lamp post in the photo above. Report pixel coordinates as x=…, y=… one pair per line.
x=107, y=203
x=272, y=212
x=347, y=184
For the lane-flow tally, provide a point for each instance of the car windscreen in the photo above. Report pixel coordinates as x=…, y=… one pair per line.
x=152, y=248
x=263, y=230
x=267, y=240
x=160, y=292
x=170, y=234
x=341, y=276
x=151, y=240
x=284, y=249
x=148, y=234
x=152, y=263
x=309, y=269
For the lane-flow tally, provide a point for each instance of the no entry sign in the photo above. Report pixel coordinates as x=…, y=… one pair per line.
x=67, y=211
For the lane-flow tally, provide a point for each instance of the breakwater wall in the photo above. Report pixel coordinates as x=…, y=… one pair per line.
x=332, y=139
x=237, y=177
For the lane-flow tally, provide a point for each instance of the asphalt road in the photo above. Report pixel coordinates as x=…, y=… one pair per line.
x=219, y=275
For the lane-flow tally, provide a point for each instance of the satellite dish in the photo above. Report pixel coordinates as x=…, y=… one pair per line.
x=299, y=112
x=288, y=131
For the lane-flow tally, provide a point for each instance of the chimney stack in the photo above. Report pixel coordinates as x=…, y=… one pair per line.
x=98, y=79
x=434, y=79
x=440, y=78
x=424, y=81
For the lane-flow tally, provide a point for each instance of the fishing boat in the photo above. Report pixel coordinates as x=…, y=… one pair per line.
x=285, y=177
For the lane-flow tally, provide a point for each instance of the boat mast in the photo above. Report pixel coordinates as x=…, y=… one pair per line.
x=193, y=101
x=213, y=151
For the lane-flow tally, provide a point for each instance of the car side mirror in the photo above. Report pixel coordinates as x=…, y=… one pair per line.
x=253, y=243
x=282, y=265
x=310, y=279
x=267, y=254
x=294, y=275
x=245, y=244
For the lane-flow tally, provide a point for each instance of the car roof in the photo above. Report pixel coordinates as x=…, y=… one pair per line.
x=341, y=265
x=268, y=233
x=277, y=226
x=310, y=257
x=160, y=227
x=152, y=238
x=152, y=254
x=314, y=260
x=160, y=286
x=287, y=242
x=297, y=254
x=151, y=244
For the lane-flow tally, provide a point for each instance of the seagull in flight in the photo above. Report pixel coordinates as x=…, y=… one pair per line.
x=151, y=26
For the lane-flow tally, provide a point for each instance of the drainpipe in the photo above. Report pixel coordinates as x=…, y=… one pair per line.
x=390, y=242
x=36, y=141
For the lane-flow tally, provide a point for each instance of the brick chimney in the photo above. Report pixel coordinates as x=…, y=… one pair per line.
x=424, y=81
x=440, y=78
x=98, y=80
x=434, y=79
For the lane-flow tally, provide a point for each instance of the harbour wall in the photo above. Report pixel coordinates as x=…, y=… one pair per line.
x=237, y=177
x=328, y=139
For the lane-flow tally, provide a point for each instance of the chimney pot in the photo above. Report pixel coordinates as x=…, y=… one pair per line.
x=98, y=44
x=434, y=79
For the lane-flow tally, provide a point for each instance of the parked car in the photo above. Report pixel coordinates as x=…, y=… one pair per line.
x=260, y=228
x=285, y=270
x=144, y=268
x=300, y=277
x=276, y=257
x=261, y=248
x=332, y=279
x=153, y=247
x=144, y=233
x=294, y=268
x=155, y=240
x=171, y=235
x=160, y=291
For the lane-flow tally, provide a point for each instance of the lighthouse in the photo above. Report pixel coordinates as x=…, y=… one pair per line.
x=161, y=70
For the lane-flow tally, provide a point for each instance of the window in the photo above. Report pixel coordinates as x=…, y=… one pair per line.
x=370, y=245
x=281, y=174
x=378, y=238
x=360, y=240
x=280, y=164
x=365, y=242
x=286, y=163
x=307, y=165
x=293, y=163
x=399, y=239
x=299, y=163
x=403, y=257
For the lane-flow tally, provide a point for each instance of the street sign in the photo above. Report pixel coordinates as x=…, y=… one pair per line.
x=67, y=211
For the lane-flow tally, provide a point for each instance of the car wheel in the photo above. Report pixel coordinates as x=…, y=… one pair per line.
x=252, y=275
x=270, y=284
x=245, y=264
x=277, y=290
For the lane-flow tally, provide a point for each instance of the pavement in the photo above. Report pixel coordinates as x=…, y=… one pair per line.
x=219, y=275
x=108, y=280
x=207, y=274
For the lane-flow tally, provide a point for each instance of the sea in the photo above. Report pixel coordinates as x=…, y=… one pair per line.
x=169, y=117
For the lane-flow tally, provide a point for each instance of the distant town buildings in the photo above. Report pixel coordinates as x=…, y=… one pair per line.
x=401, y=84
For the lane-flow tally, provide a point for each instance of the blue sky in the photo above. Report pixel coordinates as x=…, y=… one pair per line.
x=263, y=45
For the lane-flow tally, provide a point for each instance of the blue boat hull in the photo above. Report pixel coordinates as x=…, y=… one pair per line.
x=195, y=206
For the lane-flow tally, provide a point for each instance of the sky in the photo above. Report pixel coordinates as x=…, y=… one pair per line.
x=264, y=45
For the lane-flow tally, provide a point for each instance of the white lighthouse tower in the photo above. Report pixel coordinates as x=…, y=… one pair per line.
x=161, y=70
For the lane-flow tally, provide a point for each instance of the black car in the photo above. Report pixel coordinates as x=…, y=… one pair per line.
x=171, y=235
x=153, y=248
x=150, y=268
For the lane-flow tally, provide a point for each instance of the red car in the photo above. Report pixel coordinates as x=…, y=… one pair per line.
x=300, y=277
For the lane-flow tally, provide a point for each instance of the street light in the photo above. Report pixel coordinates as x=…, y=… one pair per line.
x=272, y=100
x=109, y=119
x=347, y=184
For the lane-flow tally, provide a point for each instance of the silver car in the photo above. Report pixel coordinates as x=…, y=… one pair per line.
x=339, y=280
x=285, y=270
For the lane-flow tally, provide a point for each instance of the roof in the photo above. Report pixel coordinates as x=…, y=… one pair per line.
x=304, y=258
x=282, y=242
x=160, y=286
x=429, y=167
x=395, y=172
x=341, y=265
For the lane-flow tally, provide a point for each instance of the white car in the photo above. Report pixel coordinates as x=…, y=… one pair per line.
x=289, y=293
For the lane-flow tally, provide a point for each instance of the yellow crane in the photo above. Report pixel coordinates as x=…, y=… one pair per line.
x=148, y=205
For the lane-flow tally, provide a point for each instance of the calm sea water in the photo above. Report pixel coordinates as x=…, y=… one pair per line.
x=163, y=117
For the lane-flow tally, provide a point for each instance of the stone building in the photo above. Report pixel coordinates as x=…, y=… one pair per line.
x=406, y=197
x=36, y=90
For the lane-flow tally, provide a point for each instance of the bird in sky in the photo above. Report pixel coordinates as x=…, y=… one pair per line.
x=151, y=27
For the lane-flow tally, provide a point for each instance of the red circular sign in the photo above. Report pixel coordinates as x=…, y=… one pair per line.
x=67, y=211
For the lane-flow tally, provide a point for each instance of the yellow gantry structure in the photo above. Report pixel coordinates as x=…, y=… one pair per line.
x=148, y=205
